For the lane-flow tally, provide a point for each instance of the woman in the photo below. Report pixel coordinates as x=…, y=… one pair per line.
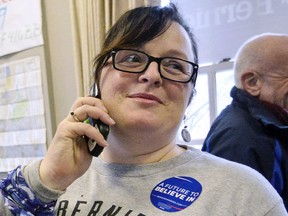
x=145, y=75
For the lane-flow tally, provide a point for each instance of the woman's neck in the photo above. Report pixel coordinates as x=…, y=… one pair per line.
x=140, y=153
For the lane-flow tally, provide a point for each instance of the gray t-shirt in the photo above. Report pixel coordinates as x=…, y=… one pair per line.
x=194, y=183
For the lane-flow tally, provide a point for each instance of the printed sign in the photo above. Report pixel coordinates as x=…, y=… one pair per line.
x=221, y=26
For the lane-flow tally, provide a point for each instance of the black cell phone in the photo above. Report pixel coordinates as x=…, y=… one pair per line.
x=94, y=148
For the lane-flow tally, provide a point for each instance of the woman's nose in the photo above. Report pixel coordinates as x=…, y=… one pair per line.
x=151, y=75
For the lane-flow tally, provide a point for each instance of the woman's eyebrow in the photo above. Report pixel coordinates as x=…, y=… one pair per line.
x=168, y=53
x=177, y=54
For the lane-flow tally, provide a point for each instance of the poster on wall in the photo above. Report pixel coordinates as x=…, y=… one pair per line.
x=20, y=25
x=22, y=120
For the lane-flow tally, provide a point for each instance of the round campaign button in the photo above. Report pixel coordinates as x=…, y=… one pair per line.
x=176, y=193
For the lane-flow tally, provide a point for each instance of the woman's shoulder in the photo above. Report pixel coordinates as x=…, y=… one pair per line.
x=220, y=167
x=237, y=181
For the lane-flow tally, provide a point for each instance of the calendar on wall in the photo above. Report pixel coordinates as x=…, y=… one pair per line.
x=22, y=119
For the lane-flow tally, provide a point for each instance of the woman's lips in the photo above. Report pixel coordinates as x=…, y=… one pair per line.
x=146, y=97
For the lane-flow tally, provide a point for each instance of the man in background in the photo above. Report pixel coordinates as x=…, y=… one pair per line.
x=253, y=129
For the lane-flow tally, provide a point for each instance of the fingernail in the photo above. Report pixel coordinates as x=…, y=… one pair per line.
x=105, y=143
x=111, y=121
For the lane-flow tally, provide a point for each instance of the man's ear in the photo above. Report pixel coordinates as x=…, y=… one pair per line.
x=251, y=83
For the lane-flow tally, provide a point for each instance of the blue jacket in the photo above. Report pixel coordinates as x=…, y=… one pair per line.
x=247, y=132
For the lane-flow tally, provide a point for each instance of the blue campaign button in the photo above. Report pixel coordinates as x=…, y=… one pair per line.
x=176, y=193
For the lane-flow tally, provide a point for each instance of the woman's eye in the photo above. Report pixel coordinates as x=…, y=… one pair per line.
x=175, y=66
x=131, y=58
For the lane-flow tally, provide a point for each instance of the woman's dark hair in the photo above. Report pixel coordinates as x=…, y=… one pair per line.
x=137, y=27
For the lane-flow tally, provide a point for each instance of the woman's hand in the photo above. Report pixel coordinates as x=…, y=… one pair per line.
x=67, y=157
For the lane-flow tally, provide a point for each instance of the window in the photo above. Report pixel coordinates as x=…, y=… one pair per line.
x=224, y=83
x=213, y=86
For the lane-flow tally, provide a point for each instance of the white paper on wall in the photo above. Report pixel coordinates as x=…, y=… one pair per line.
x=20, y=25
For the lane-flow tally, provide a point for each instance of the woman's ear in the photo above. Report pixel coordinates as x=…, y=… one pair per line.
x=251, y=83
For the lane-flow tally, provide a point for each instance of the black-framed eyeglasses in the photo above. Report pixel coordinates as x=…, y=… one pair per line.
x=171, y=68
